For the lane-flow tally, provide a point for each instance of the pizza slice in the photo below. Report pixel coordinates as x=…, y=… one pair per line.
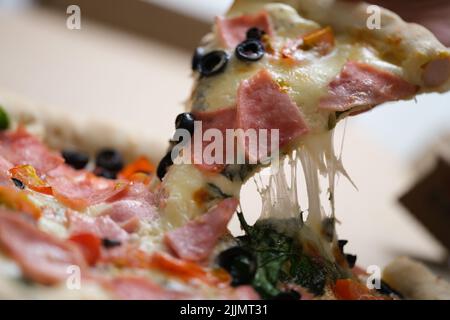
x=298, y=67
x=86, y=215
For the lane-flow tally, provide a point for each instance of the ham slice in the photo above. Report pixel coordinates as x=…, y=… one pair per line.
x=79, y=189
x=261, y=104
x=233, y=31
x=133, y=204
x=362, y=85
x=21, y=148
x=128, y=213
x=196, y=240
x=140, y=288
x=102, y=226
x=5, y=176
x=41, y=257
x=240, y=293
x=221, y=120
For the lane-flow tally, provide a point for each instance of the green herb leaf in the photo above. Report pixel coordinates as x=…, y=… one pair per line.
x=4, y=119
x=281, y=260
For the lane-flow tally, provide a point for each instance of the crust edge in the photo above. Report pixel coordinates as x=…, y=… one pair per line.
x=415, y=281
x=59, y=130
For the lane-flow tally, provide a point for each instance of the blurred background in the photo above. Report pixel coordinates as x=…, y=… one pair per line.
x=130, y=64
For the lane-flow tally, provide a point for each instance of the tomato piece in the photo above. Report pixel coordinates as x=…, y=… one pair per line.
x=90, y=246
x=348, y=289
x=187, y=270
x=322, y=40
x=28, y=175
x=135, y=170
x=19, y=201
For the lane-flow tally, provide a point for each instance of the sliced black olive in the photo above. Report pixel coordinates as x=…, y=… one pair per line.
x=255, y=33
x=185, y=120
x=109, y=243
x=240, y=263
x=19, y=184
x=212, y=63
x=341, y=245
x=250, y=50
x=198, y=53
x=105, y=173
x=387, y=290
x=351, y=260
x=4, y=119
x=163, y=165
x=75, y=159
x=288, y=295
x=109, y=159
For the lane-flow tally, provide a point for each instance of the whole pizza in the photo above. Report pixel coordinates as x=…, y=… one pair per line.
x=89, y=214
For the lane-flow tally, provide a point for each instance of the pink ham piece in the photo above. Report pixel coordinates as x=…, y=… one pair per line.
x=20, y=148
x=196, y=240
x=436, y=72
x=222, y=120
x=133, y=204
x=79, y=189
x=41, y=257
x=140, y=288
x=103, y=226
x=233, y=31
x=261, y=104
x=138, y=191
x=128, y=213
x=240, y=293
x=361, y=85
x=5, y=176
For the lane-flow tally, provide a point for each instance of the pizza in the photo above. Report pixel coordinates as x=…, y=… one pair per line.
x=89, y=214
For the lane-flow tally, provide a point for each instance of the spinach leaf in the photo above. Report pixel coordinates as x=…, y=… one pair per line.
x=4, y=119
x=281, y=260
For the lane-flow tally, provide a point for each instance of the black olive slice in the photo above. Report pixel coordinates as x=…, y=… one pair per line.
x=76, y=159
x=255, y=33
x=213, y=63
x=250, y=50
x=240, y=263
x=163, y=165
x=109, y=159
x=185, y=121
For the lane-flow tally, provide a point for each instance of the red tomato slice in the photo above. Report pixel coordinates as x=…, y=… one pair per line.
x=138, y=170
x=187, y=270
x=90, y=246
x=28, y=175
x=347, y=289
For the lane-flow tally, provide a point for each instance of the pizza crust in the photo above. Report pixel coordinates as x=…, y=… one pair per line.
x=425, y=60
x=415, y=281
x=61, y=130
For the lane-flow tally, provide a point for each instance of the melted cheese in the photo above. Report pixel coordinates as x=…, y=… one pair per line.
x=305, y=81
x=279, y=196
x=181, y=184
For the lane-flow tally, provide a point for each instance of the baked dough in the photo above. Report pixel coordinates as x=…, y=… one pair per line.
x=415, y=281
x=60, y=130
